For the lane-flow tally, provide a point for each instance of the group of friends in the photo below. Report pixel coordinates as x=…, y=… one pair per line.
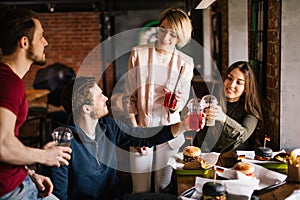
x=88, y=168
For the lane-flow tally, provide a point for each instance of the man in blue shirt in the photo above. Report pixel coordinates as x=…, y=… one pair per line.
x=93, y=165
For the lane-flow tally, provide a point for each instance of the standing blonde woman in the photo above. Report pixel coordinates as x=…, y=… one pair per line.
x=152, y=71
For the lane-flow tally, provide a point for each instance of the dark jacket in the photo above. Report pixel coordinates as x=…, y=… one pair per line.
x=93, y=165
x=238, y=127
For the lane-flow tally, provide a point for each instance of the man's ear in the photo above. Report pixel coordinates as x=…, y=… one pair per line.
x=86, y=109
x=24, y=43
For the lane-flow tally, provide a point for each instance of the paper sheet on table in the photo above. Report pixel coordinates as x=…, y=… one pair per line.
x=250, y=156
x=210, y=158
x=235, y=187
x=240, y=184
x=266, y=177
x=294, y=196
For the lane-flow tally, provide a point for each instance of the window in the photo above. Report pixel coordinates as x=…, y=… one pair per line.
x=258, y=41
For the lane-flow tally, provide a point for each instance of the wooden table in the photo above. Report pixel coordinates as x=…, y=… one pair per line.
x=35, y=128
x=280, y=193
x=184, y=182
x=34, y=94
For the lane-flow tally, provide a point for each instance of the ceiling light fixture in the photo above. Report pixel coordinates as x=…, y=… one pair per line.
x=51, y=7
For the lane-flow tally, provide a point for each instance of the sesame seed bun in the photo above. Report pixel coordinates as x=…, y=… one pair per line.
x=245, y=168
x=191, y=153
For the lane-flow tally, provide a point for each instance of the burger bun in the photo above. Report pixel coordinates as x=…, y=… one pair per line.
x=245, y=168
x=191, y=153
x=263, y=153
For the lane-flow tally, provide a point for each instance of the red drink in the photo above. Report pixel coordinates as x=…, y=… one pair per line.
x=170, y=100
x=195, y=120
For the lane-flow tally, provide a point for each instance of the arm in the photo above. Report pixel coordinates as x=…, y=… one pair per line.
x=234, y=133
x=232, y=128
x=140, y=136
x=12, y=151
x=241, y=130
x=43, y=183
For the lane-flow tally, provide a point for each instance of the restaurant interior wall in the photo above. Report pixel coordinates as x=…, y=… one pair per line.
x=237, y=31
x=71, y=36
x=289, y=83
x=130, y=20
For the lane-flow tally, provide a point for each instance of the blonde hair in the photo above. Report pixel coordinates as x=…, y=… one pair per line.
x=180, y=22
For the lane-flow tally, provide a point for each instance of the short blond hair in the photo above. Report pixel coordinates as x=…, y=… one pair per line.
x=179, y=22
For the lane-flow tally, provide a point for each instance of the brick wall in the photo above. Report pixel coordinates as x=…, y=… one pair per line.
x=272, y=101
x=71, y=36
x=224, y=37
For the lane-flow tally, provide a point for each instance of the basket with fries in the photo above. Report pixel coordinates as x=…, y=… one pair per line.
x=294, y=167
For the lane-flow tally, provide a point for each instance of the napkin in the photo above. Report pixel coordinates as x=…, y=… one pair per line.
x=266, y=177
x=294, y=196
x=235, y=187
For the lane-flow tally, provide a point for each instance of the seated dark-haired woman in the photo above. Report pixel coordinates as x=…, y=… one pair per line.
x=237, y=116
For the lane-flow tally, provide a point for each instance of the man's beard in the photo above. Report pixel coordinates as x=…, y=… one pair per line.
x=97, y=114
x=35, y=60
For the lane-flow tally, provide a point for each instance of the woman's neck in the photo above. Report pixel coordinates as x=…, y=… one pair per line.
x=231, y=100
x=166, y=52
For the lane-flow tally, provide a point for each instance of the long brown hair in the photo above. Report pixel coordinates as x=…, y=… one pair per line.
x=251, y=94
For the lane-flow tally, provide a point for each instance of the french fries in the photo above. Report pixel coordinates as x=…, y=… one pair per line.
x=294, y=159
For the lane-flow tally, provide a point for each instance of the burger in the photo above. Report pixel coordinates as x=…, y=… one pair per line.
x=263, y=153
x=191, y=153
x=245, y=168
x=213, y=191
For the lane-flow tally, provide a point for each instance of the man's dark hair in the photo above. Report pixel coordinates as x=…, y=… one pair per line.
x=14, y=24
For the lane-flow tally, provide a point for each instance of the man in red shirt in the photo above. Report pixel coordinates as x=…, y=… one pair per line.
x=22, y=44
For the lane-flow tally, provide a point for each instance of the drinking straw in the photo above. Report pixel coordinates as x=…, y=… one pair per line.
x=194, y=97
x=178, y=79
x=173, y=96
x=195, y=100
x=212, y=89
